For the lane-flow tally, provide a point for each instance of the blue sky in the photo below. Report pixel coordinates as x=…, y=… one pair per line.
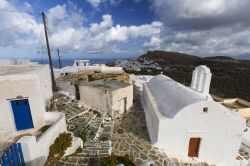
x=124, y=28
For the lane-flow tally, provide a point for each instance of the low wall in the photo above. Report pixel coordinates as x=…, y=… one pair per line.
x=103, y=69
x=36, y=150
x=67, y=86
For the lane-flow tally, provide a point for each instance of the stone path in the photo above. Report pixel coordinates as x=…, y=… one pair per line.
x=98, y=131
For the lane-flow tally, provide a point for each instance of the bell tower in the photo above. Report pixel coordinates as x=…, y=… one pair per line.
x=201, y=79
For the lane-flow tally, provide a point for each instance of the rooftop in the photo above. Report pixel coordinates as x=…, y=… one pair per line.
x=107, y=85
x=20, y=70
x=171, y=96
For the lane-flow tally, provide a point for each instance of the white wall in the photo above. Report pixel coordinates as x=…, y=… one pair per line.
x=220, y=131
x=44, y=78
x=32, y=87
x=96, y=98
x=106, y=100
x=120, y=94
x=36, y=151
x=26, y=87
x=67, y=86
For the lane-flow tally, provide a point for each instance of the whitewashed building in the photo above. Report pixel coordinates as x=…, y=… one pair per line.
x=188, y=124
x=82, y=63
x=24, y=93
x=111, y=96
x=86, y=66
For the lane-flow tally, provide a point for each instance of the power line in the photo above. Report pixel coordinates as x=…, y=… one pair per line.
x=14, y=11
x=10, y=28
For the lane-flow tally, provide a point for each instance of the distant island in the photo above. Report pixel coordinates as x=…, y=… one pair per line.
x=231, y=77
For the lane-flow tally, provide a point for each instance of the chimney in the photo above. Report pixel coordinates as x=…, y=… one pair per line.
x=201, y=79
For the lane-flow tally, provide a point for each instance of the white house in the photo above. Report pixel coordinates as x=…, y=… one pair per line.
x=25, y=91
x=188, y=124
x=110, y=96
x=81, y=63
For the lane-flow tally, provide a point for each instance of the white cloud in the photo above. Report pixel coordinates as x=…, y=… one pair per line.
x=94, y=3
x=68, y=32
x=15, y=25
x=97, y=3
x=209, y=27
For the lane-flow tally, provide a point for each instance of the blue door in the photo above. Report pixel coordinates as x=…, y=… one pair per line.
x=22, y=115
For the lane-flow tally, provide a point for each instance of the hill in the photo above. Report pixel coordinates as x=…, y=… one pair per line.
x=231, y=77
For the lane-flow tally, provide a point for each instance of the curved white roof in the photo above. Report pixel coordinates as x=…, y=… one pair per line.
x=171, y=96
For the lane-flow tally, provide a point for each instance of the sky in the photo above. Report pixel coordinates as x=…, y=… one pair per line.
x=124, y=28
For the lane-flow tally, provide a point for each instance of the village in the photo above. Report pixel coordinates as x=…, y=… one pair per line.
x=100, y=115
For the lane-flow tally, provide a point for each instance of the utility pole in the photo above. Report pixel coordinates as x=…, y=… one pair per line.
x=59, y=58
x=54, y=89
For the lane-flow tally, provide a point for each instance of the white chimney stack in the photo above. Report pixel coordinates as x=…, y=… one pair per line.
x=201, y=79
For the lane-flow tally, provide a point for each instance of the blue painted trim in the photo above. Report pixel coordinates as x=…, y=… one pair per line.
x=9, y=157
x=14, y=156
x=4, y=160
x=21, y=154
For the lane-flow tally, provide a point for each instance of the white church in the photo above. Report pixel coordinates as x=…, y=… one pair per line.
x=188, y=124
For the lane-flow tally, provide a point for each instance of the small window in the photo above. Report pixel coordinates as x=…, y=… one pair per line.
x=205, y=109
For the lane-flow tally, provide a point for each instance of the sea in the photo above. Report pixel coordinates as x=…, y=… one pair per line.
x=69, y=62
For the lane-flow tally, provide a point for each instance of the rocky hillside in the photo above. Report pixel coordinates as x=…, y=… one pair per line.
x=231, y=77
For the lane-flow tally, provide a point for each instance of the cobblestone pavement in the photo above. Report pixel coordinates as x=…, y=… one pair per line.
x=97, y=136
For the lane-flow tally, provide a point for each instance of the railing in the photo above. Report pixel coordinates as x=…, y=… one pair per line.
x=13, y=156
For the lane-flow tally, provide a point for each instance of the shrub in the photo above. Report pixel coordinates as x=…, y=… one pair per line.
x=57, y=150
x=83, y=134
x=44, y=128
x=114, y=160
x=104, y=139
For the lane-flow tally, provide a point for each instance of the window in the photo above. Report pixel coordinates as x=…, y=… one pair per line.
x=194, y=145
x=205, y=109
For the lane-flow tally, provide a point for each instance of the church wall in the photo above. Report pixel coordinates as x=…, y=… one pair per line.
x=219, y=130
x=153, y=116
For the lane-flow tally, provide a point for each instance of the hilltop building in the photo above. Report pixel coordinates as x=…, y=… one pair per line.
x=111, y=96
x=188, y=124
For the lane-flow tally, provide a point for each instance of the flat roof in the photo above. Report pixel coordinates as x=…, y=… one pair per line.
x=20, y=70
x=110, y=84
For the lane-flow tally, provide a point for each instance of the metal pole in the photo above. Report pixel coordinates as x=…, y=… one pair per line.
x=58, y=53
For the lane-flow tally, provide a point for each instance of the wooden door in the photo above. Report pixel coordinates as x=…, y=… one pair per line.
x=194, y=145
